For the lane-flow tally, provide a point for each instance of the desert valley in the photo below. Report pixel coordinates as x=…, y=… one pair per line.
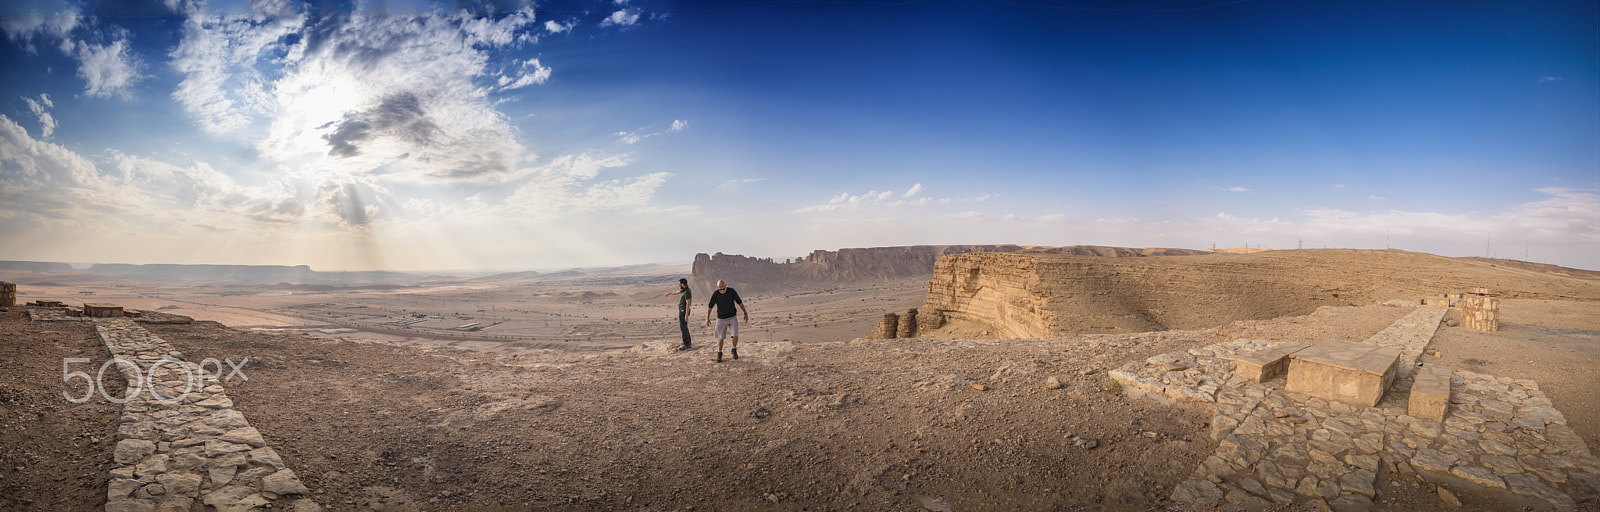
x=1031, y=378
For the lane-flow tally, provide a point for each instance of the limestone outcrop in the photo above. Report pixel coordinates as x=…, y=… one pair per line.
x=1027, y=294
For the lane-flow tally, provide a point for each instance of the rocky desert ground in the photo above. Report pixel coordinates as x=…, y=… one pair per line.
x=375, y=416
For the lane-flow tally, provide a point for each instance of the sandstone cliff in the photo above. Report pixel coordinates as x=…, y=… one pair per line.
x=1032, y=294
x=752, y=275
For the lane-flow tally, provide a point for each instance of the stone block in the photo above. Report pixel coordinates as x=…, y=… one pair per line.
x=8, y=294
x=102, y=310
x=1353, y=373
x=1430, y=393
x=1263, y=365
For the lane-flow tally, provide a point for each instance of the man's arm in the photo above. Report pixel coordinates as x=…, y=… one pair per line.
x=709, y=308
x=746, y=311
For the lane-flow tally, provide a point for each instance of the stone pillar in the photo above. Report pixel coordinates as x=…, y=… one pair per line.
x=908, y=324
x=8, y=294
x=928, y=319
x=1480, y=313
x=887, y=328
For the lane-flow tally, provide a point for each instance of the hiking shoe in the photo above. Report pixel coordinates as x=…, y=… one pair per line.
x=683, y=347
x=719, y=356
x=736, y=353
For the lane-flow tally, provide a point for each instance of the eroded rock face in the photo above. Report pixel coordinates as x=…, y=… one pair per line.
x=1036, y=294
x=751, y=275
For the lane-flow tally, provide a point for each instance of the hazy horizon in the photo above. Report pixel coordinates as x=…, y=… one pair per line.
x=412, y=136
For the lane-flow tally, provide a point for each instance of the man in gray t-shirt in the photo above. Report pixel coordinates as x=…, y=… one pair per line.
x=723, y=301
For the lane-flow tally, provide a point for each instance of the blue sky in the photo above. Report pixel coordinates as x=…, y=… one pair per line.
x=411, y=135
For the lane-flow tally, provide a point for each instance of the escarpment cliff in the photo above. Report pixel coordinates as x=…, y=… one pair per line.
x=1022, y=294
x=751, y=275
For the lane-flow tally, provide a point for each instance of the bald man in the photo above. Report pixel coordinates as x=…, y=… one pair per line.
x=723, y=301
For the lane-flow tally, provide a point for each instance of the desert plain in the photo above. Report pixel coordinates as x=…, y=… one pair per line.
x=562, y=391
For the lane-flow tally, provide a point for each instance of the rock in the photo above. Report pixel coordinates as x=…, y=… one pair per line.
x=760, y=413
x=246, y=435
x=1197, y=491
x=181, y=484
x=1500, y=464
x=120, y=488
x=1252, y=486
x=127, y=505
x=235, y=498
x=151, y=467
x=1085, y=443
x=1530, y=486
x=131, y=451
x=1447, y=498
x=283, y=483
x=980, y=387
x=221, y=476
x=1052, y=383
x=1351, y=503
x=1359, y=482
x=1478, y=476
x=1318, y=505
x=216, y=447
x=306, y=505
x=264, y=456
x=1239, y=497
x=216, y=402
x=1428, y=459
x=226, y=418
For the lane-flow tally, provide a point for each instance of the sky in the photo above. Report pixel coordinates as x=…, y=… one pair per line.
x=409, y=135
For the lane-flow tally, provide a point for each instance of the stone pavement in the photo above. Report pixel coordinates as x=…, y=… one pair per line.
x=171, y=452
x=1280, y=447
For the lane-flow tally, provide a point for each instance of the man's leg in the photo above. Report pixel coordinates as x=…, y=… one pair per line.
x=722, y=334
x=683, y=325
x=736, y=337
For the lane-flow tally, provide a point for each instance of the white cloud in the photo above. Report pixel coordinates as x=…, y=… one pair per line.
x=40, y=109
x=556, y=28
x=741, y=181
x=678, y=125
x=875, y=198
x=630, y=137
x=622, y=18
x=108, y=70
x=1377, y=198
x=531, y=72
x=54, y=27
x=223, y=88
x=1548, y=78
x=565, y=186
x=1338, y=187
x=1237, y=189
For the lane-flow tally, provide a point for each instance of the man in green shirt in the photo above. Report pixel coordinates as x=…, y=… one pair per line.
x=683, y=309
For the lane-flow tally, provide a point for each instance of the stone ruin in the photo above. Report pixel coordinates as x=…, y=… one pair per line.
x=8, y=294
x=1313, y=425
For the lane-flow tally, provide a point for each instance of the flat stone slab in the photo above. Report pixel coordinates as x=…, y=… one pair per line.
x=1264, y=365
x=1353, y=373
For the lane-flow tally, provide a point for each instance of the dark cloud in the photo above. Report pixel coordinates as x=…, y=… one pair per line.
x=344, y=201
x=398, y=115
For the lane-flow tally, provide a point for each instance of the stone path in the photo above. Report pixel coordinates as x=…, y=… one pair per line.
x=171, y=452
x=1280, y=447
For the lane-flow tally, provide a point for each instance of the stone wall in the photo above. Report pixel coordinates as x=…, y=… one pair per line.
x=179, y=451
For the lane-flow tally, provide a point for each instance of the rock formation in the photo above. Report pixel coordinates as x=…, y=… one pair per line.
x=1038, y=294
x=752, y=275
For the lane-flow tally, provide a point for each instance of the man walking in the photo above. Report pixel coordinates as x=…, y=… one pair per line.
x=723, y=300
x=684, y=296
